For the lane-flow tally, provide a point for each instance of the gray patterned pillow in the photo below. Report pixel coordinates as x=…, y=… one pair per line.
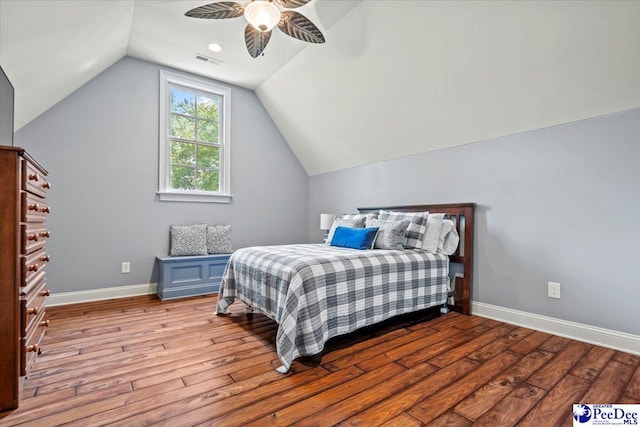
x=366, y=217
x=390, y=233
x=417, y=226
x=188, y=240
x=353, y=223
x=219, y=239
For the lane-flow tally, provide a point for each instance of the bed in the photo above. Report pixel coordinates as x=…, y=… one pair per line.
x=315, y=292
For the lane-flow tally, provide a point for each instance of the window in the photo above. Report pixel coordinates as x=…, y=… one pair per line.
x=194, y=140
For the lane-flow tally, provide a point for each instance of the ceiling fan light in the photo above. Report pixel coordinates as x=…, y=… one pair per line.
x=215, y=47
x=263, y=15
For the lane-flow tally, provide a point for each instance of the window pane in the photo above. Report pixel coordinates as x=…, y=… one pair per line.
x=182, y=102
x=183, y=153
x=193, y=139
x=183, y=178
x=208, y=180
x=208, y=108
x=183, y=127
x=208, y=156
x=208, y=131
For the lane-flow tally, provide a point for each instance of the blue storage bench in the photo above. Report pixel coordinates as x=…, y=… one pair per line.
x=186, y=276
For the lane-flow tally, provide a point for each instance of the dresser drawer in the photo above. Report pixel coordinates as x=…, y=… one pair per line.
x=30, y=347
x=34, y=237
x=32, y=264
x=33, y=304
x=34, y=179
x=34, y=209
x=33, y=281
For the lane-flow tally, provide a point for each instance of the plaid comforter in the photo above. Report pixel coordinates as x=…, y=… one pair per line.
x=315, y=292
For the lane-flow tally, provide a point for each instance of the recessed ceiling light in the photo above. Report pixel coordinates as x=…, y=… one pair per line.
x=215, y=47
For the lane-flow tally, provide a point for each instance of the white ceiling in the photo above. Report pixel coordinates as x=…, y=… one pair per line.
x=415, y=76
x=161, y=33
x=394, y=78
x=48, y=49
x=51, y=48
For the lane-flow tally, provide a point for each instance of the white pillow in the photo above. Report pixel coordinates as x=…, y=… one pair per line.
x=432, y=235
x=357, y=222
x=449, y=238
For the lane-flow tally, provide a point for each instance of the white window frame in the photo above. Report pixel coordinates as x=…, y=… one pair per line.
x=165, y=192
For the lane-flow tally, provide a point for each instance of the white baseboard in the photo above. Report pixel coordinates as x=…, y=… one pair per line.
x=578, y=331
x=64, y=298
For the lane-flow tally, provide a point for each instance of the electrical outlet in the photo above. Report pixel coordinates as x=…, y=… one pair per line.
x=553, y=290
x=126, y=267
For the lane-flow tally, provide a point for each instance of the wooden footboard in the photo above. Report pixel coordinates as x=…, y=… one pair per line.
x=462, y=214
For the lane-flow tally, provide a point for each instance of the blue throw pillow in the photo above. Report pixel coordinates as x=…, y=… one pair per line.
x=354, y=238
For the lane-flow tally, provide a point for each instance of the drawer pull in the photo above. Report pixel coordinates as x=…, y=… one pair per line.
x=45, y=234
x=33, y=237
x=45, y=258
x=32, y=267
x=44, y=323
x=46, y=185
x=32, y=310
x=34, y=207
x=45, y=293
x=34, y=177
x=45, y=209
x=32, y=348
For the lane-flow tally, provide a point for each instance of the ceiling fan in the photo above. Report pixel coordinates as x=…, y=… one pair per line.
x=262, y=16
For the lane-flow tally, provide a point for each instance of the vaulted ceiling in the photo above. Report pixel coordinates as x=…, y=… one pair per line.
x=50, y=48
x=394, y=78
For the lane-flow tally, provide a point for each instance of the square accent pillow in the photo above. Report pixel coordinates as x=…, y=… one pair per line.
x=390, y=233
x=219, y=239
x=352, y=223
x=354, y=238
x=188, y=240
x=417, y=226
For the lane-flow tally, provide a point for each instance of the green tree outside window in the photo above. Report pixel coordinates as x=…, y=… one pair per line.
x=194, y=132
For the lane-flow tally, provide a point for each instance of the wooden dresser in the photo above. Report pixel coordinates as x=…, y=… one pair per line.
x=23, y=256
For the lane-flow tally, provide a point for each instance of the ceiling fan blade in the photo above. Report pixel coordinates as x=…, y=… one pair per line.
x=220, y=10
x=292, y=4
x=296, y=25
x=256, y=40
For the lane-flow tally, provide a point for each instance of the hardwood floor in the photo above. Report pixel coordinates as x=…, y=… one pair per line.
x=140, y=361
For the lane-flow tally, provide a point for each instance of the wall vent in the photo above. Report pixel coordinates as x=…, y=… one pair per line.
x=208, y=59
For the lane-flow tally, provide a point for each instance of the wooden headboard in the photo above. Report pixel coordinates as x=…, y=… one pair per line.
x=462, y=215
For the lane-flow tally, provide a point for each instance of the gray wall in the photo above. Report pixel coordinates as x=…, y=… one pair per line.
x=558, y=204
x=100, y=145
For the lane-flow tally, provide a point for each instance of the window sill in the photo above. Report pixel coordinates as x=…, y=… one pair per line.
x=194, y=197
